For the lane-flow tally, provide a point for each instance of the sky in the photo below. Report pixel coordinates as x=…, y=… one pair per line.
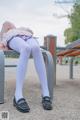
x=38, y=15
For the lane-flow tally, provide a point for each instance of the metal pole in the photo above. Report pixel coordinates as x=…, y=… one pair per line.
x=50, y=43
x=1, y=77
x=71, y=68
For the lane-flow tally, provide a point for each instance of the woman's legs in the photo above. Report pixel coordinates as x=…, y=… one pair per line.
x=39, y=64
x=19, y=45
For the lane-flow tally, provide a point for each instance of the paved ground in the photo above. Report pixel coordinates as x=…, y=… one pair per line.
x=66, y=103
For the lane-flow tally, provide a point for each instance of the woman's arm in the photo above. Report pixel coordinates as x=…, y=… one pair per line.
x=2, y=46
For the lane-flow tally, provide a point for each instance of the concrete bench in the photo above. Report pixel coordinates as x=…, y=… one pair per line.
x=49, y=68
x=72, y=50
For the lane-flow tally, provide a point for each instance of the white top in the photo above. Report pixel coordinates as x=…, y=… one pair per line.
x=13, y=32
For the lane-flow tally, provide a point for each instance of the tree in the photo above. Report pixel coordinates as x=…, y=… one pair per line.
x=73, y=33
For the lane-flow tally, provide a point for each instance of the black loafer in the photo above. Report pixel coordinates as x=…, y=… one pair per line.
x=21, y=105
x=47, y=103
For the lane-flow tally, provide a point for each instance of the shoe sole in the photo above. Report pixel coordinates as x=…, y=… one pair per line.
x=47, y=108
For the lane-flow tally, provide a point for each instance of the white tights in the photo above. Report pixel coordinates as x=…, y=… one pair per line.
x=25, y=48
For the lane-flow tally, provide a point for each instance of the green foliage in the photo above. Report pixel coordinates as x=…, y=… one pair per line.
x=73, y=33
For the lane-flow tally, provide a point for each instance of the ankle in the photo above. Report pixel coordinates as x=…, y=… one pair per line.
x=17, y=97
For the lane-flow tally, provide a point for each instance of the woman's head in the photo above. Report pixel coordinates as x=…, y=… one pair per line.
x=7, y=26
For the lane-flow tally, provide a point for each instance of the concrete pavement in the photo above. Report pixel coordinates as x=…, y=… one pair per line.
x=66, y=103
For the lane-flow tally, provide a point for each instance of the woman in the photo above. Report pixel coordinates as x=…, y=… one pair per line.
x=22, y=41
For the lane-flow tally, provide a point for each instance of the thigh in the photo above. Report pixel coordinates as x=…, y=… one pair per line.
x=17, y=44
x=32, y=42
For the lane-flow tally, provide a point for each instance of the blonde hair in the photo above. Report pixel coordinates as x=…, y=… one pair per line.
x=7, y=26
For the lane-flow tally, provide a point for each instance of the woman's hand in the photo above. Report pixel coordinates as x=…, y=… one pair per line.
x=3, y=47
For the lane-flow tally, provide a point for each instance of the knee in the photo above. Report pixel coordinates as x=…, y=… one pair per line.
x=36, y=48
